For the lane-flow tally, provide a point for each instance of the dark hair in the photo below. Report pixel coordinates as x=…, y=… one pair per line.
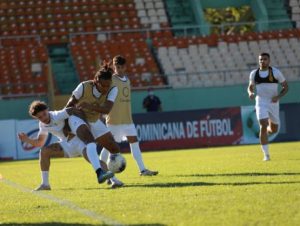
x=36, y=107
x=119, y=60
x=265, y=54
x=105, y=72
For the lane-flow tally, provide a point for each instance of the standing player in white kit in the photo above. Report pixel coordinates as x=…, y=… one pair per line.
x=265, y=79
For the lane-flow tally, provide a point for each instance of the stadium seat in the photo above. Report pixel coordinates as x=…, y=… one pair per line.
x=27, y=59
x=236, y=58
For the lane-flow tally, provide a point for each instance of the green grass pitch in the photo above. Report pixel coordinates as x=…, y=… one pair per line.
x=213, y=186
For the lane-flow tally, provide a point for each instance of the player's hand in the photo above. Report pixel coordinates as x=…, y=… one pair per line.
x=251, y=96
x=83, y=105
x=23, y=137
x=76, y=111
x=275, y=99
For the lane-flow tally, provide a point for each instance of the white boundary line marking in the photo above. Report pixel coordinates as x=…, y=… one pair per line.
x=95, y=216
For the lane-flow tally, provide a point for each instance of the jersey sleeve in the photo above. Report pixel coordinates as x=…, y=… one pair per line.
x=42, y=130
x=112, y=95
x=60, y=115
x=278, y=75
x=252, y=76
x=77, y=93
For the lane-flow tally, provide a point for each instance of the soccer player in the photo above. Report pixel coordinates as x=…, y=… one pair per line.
x=94, y=97
x=119, y=119
x=69, y=145
x=265, y=80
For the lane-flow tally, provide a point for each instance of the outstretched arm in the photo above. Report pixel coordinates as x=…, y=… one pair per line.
x=38, y=142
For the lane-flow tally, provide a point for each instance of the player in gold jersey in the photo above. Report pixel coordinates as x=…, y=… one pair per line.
x=119, y=119
x=94, y=97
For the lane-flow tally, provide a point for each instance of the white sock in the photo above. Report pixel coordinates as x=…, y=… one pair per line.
x=265, y=149
x=91, y=151
x=137, y=155
x=114, y=179
x=104, y=155
x=45, y=177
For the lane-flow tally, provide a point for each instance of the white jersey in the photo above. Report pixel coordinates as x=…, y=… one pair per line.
x=56, y=125
x=265, y=91
x=111, y=96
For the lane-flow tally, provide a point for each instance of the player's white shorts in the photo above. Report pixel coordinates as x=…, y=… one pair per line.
x=73, y=147
x=120, y=132
x=270, y=111
x=98, y=128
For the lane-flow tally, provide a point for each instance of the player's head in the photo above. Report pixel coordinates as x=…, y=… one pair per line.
x=264, y=60
x=39, y=110
x=102, y=79
x=119, y=64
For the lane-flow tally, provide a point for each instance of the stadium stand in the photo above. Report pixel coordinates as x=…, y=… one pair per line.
x=23, y=67
x=89, y=51
x=152, y=13
x=226, y=60
x=77, y=35
x=295, y=14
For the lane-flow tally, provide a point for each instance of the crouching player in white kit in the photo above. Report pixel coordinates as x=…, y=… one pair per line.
x=119, y=119
x=54, y=122
x=265, y=80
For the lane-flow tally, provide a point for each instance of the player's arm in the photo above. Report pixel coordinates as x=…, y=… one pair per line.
x=67, y=112
x=76, y=95
x=251, y=88
x=283, y=91
x=72, y=102
x=38, y=142
x=104, y=108
x=284, y=86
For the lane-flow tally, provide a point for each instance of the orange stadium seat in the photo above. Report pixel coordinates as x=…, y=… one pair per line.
x=16, y=58
x=87, y=56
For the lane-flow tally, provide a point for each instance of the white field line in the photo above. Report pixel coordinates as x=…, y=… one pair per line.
x=95, y=216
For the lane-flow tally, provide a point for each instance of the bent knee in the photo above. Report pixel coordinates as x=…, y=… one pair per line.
x=273, y=130
x=44, y=152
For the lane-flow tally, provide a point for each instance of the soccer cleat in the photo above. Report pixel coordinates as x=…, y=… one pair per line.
x=43, y=187
x=103, y=176
x=266, y=158
x=147, y=172
x=115, y=183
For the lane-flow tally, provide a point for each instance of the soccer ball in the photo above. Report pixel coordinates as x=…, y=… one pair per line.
x=116, y=163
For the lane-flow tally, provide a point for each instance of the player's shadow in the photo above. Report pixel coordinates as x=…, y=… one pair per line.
x=199, y=184
x=75, y=224
x=250, y=174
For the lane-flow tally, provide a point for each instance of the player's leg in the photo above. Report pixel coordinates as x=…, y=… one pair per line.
x=102, y=163
x=262, y=115
x=104, y=155
x=263, y=136
x=83, y=132
x=46, y=153
x=137, y=155
x=107, y=141
x=274, y=119
x=272, y=127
